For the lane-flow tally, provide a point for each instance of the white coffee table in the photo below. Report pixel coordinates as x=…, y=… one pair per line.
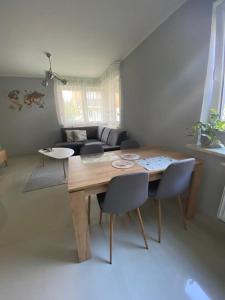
x=57, y=153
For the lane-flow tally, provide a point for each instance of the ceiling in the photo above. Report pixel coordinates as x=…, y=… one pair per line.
x=84, y=36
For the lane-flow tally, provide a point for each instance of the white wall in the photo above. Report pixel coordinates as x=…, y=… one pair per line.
x=26, y=131
x=162, y=87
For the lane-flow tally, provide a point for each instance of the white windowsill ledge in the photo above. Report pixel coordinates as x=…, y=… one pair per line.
x=212, y=151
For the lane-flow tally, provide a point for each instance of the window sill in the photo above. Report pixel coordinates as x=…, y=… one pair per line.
x=211, y=151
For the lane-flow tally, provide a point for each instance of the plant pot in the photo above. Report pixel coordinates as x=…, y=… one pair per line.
x=207, y=143
x=221, y=136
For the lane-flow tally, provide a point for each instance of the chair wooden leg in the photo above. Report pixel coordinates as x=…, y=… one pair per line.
x=179, y=201
x=128, y=216
x=159, y=218
x=142, y=227
x=110, y=237
x=89, y=209
x=100, y=217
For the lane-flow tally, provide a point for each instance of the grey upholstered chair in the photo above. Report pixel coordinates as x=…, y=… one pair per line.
x=91, y=149
x=129, y=144
x=174, y=182
x=85, y=151
x=125, y=193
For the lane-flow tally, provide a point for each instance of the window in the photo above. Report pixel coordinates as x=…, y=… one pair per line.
x=94, y=111
x=214, y=93
x=77, y=106
x=89, y=101
x=223, y=110
x=72, y=105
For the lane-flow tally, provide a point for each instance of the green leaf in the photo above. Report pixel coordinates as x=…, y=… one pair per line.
x=207, y=135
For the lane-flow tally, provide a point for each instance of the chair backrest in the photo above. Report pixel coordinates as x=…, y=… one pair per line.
x=126, y=193
x=91, y=149
x=176, y=179
x=129, y=144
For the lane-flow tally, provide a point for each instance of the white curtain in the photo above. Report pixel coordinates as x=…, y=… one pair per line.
x=89, y=101
x=214, y=93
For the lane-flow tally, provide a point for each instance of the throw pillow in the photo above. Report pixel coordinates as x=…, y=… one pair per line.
x=76, y=135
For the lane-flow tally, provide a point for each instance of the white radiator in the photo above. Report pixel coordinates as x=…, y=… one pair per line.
x=221, y=212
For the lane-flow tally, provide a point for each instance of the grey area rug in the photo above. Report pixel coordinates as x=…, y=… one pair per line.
x=43, y=177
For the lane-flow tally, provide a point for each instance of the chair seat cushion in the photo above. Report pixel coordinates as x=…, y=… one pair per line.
x=93, y=142
x=152, y=188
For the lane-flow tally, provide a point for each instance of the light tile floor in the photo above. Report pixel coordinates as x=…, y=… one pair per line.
x=37, y=260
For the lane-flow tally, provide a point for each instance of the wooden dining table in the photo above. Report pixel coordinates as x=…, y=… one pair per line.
x=89, y=176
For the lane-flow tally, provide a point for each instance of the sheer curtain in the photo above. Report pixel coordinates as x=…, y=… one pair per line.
x=214, y=93
x=221, y=211
x=89, y=101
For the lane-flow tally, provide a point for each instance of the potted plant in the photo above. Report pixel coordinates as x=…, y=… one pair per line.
x=209, y=132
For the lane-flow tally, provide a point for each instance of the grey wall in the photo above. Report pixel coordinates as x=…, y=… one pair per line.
x=162, y=86
x=26, y=131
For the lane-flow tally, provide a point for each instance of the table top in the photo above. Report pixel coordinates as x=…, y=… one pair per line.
x=58, y=153
x=83, y=175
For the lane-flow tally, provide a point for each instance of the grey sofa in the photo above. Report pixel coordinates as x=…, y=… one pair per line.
x=110, y=139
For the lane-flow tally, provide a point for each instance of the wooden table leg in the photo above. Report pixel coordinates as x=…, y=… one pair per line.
x=3, y=157
x=64, y=168
x=194, y=187
x=79, y=207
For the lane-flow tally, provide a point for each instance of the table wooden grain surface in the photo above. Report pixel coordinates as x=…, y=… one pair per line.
x=92, y=175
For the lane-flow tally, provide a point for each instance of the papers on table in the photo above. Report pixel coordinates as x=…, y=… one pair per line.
x=156, y=163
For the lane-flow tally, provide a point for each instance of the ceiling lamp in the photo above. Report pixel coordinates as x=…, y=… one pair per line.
x=50, y=75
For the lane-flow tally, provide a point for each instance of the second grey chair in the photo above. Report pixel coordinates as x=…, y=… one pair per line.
x=129, y=144
x=86, y=150
x=125, y=193
x=90, y=149
x=174, y=182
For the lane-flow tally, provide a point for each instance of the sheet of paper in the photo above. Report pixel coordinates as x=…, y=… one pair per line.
x=156, y=163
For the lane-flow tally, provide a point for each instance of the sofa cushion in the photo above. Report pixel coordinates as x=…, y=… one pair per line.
x=116, y=136
x=76, y=135
x=105, y=134
x=99, y=132
x=113, y=137
x=91, y=131
x=110, y=148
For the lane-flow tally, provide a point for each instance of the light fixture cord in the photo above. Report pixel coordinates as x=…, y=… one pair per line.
x=50, y=63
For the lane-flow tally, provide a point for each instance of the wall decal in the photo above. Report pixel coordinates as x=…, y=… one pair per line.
x=27, y=98
x=34, y=97
x=14, y=99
